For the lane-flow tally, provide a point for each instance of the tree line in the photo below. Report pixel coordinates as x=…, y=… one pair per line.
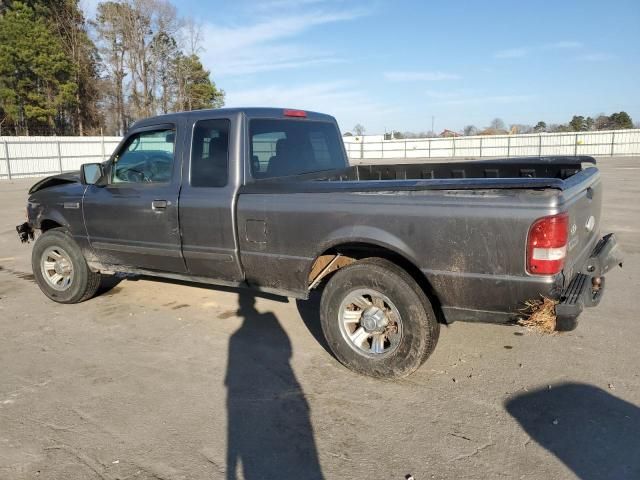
x=615, y=121
x=578, y=123
x=61, y=74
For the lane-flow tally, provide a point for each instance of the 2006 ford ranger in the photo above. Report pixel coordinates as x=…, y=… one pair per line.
x=265, y=198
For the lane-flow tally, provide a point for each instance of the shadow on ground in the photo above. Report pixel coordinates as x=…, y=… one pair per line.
x=269, y=430
x=592, y=432
x=309, y=311
x=205, y=286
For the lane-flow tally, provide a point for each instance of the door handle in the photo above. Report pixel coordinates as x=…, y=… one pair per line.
x=159, y=204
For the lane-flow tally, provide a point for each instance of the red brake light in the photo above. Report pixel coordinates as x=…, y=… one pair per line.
x=547, y=244
x=295, y=113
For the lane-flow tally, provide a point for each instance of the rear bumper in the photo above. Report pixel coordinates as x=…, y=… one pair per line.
x=587, y=286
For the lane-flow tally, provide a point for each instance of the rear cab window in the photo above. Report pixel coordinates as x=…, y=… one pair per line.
x=291, y=147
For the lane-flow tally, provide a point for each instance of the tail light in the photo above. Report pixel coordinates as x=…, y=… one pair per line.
x=547, y=244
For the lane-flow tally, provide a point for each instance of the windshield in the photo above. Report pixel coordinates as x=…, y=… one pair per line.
x=291, y=147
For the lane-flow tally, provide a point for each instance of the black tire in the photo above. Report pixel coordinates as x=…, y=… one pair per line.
x=84, y=283
x=420, y=328
x=566, y=324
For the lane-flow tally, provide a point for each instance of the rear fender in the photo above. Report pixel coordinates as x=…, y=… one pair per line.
x=365, y=235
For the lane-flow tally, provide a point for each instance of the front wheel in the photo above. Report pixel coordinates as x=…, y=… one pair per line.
x=61, y=270
x=377, y=320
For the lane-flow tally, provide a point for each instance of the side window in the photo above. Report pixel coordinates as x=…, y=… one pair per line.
x=147, y=157
x=210, y=153
x=320, y=148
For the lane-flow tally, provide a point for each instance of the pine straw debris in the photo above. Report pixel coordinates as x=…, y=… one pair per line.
x=539, y=316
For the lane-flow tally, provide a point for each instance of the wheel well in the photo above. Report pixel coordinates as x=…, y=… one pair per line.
x=48, y=225
x=358, y=251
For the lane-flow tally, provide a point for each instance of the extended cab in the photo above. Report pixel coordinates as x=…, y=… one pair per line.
x=266, y=199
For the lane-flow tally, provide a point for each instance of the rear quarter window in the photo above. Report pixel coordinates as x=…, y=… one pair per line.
x=210, y=153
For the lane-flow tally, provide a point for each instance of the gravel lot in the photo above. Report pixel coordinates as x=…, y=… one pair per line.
x=158, y=380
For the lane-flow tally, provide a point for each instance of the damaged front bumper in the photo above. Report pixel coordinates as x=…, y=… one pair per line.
x=587, y=286
x=25, y=232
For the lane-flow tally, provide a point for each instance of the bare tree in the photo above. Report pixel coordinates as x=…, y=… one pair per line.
x=192, y=36
x=110, y=29
x=145, y=41
x=150, y=30
x=497, y=124
x=138, y=34
x=164, y=50
x=470, y=130
x=602, y=122
x=359, y=130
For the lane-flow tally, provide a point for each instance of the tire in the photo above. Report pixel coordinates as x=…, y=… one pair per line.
x=566, y=324
x=77, y=286
x=406, y=346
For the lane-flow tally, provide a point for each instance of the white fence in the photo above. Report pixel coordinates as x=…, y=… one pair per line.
x=610, y=142
x=38, y=156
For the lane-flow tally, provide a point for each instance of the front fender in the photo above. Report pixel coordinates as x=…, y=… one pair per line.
x=61, y=205
x=40, y=214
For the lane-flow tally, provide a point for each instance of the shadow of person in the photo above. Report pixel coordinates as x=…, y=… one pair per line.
x=269, y=431
x=592, y=432
x=309, y=311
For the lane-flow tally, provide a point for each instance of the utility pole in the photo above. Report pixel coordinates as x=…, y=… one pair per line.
x=433, y=119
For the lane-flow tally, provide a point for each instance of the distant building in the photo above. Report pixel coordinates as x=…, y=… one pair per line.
x=449, y=133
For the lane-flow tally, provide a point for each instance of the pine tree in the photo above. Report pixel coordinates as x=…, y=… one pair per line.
x=70, y=24
x=195, y=90
x=621, y=120
x=36, y=76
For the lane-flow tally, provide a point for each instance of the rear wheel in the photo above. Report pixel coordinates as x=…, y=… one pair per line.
x=377, y=320
x=61, y=270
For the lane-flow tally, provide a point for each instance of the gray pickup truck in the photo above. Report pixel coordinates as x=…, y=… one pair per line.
x=265, y=198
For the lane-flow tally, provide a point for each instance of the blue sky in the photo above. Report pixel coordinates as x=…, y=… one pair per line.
x=392, y=65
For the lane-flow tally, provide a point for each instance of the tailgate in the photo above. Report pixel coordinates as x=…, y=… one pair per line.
x=584, y=205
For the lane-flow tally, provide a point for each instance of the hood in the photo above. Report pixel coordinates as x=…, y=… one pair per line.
x=63, y=178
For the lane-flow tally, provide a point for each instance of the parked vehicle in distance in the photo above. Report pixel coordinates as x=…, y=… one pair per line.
x=265, y=198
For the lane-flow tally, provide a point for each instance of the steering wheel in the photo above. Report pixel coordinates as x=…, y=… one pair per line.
x=157, y=167
x=133, y=175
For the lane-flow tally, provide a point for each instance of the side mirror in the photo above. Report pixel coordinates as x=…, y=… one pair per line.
x=91, y=173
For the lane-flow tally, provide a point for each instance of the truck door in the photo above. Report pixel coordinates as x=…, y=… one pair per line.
x=133, y=219
x=207, y=200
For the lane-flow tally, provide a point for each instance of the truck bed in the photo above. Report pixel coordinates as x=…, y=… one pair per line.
x=469, y=245
x=519, y=173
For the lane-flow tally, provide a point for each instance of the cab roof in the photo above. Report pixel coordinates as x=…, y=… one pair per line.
x=250, y=112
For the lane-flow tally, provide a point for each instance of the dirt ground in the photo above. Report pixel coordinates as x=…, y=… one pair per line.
x=158, y=380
